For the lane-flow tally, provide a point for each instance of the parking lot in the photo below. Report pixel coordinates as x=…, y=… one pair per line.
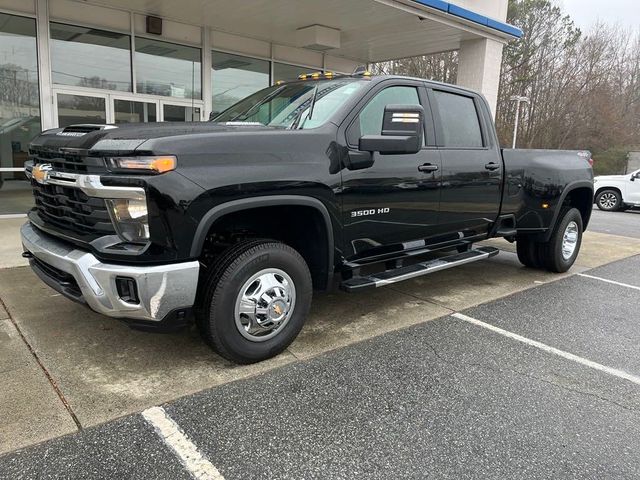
x=488, y=370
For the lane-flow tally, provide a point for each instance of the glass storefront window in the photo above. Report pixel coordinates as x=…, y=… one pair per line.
x=19, y=108
x=75, y=109
x=167, y=69
x=87, y=57
x=234, y=77
x=129, y=111
x=286, y=72
x=180, y=113
x=15, y=193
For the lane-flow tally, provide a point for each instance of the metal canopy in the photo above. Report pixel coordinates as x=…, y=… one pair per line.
x=371, y=30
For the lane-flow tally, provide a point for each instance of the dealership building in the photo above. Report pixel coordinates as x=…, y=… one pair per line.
x=113, y=61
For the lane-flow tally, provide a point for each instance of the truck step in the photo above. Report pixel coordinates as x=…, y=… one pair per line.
x=411, y=271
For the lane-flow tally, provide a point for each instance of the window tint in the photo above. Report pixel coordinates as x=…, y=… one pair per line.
x=370, y=117
x=459, y=118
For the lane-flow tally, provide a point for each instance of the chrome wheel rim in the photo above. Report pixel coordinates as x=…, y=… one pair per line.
x=570, y=240
x=608, y=200
x=265, y=304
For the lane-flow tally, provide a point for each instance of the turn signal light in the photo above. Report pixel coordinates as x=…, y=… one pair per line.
x=160, y=164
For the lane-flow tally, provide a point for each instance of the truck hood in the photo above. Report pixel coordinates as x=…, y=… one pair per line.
x=128, y=136
x=608, y=178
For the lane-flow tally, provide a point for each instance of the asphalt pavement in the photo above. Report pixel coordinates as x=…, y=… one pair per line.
x=543, y=383
x=624, y=224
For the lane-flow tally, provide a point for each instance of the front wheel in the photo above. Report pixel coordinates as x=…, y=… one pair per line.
x=609, y=200
x=255, y=301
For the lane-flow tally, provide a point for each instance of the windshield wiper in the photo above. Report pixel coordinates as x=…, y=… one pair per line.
x=296, y=122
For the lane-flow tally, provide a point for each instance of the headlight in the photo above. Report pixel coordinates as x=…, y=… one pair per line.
x=160, y=164
x=130, y=217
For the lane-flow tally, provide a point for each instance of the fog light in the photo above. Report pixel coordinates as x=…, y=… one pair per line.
x=127, y=290
x=130, y=218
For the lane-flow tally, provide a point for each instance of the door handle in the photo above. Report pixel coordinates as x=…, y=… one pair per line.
x=428, y=167
x=492, y=166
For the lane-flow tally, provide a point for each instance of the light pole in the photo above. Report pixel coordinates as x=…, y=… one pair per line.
x=518, y=99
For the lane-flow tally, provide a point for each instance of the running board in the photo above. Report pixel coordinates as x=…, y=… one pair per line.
x=423, y=268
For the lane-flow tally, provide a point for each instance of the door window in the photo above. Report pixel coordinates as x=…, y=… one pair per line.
x=180, y=113
x=369, y=121
x=74, y=109
x=130, y=111
x=459, y=120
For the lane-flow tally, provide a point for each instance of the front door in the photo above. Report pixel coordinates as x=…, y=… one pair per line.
x=393, y=204
x=633, y=188
x=77, y=106
x=471, y=165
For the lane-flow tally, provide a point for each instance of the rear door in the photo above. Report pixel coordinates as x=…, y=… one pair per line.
x=472, y=167
x=393, y=204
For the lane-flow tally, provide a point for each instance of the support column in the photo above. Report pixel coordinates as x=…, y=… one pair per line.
x=44, y=65
x=479, y=68
x=206, y=72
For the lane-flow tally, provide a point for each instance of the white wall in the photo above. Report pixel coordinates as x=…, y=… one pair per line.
x=496, y=9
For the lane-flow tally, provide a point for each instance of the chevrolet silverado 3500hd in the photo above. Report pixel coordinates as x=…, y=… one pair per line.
x=355, y=180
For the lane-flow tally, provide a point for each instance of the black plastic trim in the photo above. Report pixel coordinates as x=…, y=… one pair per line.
x=264, y=201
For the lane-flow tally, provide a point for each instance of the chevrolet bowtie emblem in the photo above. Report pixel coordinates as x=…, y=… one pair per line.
x=277, y=309
x=41, y=172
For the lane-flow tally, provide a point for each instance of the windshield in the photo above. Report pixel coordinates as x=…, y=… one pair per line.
x=290, y=105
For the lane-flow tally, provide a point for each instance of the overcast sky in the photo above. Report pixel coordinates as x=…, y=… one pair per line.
x=586, y=12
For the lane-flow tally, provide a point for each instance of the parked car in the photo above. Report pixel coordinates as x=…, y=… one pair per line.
x=617, y=192
x=358, y=180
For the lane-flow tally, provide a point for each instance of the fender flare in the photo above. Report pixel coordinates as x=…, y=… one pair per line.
x=264, y=201
x=567, y=190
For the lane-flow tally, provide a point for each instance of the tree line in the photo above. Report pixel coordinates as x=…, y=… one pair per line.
x=584, y=87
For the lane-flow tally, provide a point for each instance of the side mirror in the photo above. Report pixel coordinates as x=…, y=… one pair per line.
x=402, y=131
x=213, y=115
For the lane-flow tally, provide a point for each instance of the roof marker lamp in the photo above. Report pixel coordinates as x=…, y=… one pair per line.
x=130, y=218
x=159, y=164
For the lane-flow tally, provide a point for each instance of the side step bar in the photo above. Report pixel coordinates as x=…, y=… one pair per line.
x=423, y=268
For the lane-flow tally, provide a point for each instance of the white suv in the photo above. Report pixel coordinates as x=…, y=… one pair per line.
x=617, y=192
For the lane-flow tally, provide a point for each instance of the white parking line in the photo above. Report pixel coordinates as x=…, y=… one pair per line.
x=609, y=281
x=569, y=356
x=196, y=464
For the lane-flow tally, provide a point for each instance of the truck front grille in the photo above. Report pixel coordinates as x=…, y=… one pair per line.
x=66, y=160
x=68, y=208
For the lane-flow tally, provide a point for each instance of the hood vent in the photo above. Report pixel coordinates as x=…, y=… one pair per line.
x=82, y=129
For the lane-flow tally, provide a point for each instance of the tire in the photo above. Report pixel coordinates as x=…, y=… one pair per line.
x=255, y=270
x=566, y=238
x=528, y=252
x=609, y=200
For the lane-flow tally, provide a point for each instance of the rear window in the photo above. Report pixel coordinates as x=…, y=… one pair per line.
x=459, y=118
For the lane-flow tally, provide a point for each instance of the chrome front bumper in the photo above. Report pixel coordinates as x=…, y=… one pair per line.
x=161, y=289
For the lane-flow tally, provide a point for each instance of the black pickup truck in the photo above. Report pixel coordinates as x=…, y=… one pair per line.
x=358, y=181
